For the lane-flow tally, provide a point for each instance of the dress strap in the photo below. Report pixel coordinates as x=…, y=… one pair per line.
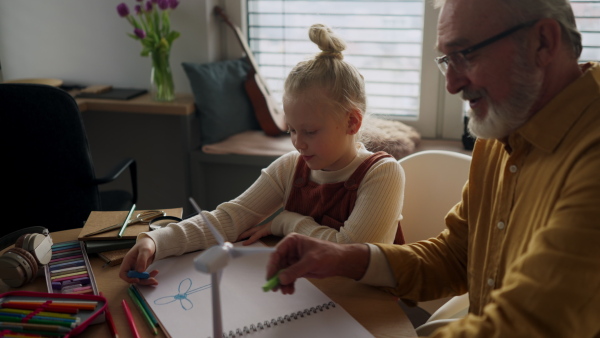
x=356, y=178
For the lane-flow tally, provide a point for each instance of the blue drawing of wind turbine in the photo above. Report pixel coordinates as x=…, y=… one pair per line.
x=213, y=260
x=185, y=289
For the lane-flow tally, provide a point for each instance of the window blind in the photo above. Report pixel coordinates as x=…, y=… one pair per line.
x=384, y=40
x=587, y=15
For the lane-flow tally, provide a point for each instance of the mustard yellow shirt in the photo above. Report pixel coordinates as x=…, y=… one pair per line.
x=525, y=239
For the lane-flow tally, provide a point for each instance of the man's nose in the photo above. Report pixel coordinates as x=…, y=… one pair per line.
x=455, y=80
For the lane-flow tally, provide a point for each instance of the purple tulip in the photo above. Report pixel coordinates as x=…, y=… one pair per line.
x=139, y=33
x=123, y=10
x=149, y=6
x=173, y=3
x=163, y=4
x=138, y=9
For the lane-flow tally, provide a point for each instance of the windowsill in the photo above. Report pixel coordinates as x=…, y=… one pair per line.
x=256, y=143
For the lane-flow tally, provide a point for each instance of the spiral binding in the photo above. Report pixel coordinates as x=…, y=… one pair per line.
x=240, y=332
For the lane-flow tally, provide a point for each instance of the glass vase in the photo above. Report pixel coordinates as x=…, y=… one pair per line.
x=161, y=77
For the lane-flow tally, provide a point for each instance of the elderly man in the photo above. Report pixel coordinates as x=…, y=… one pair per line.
x=524, y=240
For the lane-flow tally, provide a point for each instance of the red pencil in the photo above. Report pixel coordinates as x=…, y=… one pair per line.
x=132, y=326
x=111, y=322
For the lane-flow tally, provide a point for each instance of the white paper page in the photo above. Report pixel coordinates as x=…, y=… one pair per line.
x=182, y=302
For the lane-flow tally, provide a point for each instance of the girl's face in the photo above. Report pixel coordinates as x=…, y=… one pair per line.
x=323, y=136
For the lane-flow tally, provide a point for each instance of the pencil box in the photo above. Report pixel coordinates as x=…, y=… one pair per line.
x=48, y=314
x=69, y=270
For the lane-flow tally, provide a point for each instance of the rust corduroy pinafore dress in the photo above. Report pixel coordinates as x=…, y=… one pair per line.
x=330, y=204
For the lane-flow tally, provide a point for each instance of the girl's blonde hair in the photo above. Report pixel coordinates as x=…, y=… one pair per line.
x=327, y=70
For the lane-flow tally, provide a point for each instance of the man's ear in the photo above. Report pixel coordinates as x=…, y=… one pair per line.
x=354, y=121
x=548, y=40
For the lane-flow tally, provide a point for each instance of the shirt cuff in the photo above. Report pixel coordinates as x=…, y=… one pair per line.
x=378, y=272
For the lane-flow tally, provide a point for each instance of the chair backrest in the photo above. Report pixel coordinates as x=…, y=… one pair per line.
x=50, y=172
x=434, y=182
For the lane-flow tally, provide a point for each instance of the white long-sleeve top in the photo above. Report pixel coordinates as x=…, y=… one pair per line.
x=374, y=219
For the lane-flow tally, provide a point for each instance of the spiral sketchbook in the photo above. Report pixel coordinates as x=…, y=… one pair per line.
x=182, y=303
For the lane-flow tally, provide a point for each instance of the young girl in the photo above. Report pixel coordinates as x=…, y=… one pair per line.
x=331, y=188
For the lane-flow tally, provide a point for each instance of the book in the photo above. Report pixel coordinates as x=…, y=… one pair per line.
x=104, y=246
x=114, y=94
x=98, y=220
x=182, y=303
x=114, y=257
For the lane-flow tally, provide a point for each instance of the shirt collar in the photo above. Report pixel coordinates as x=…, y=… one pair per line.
x=547, y=128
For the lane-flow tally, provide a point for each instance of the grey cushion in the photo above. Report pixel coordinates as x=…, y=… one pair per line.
x=221, y=99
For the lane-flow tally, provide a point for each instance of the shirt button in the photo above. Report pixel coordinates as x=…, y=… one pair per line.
x=513, y=168
x=500, y=225
x=491, y=282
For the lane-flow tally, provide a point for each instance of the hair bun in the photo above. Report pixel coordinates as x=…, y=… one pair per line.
x=327, y=41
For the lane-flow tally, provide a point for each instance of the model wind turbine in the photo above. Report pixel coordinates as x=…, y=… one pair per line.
x=213, y=260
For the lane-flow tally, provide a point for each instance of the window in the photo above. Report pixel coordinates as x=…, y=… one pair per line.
x=392, y=44
x=587, y=14
x=384, y=39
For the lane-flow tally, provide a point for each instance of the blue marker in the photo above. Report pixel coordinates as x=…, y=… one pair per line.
x=140, y=275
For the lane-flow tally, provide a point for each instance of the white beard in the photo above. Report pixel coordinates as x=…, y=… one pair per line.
x=505, y=117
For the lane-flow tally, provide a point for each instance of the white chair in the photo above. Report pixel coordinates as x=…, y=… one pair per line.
x=455, y=308
x=434, y=182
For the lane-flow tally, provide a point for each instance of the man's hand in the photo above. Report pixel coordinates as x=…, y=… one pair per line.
x=301, y=256
x=138, y=259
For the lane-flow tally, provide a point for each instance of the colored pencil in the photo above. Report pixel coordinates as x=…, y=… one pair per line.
x=22, y=335
x=126, y=223
x=55, y=321
x=142, y=310
x=144, y=304
x=41, y=313
x=34, y=327
x=60, y=309
x=130, y=320
x=21, y=316
x=110, y=321
x=85, y=304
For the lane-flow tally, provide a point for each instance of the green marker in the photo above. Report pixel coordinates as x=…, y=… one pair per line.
x=271, y=283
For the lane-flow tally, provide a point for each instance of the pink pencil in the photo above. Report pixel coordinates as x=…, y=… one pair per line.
x=132, y=326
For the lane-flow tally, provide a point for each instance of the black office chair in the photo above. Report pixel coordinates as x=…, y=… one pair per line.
x=48, y=173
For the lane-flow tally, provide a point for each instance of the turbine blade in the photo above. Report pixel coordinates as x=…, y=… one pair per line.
x=210, y=226
x=237, y=251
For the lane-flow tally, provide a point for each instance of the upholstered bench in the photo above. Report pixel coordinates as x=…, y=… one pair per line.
x=223, y=170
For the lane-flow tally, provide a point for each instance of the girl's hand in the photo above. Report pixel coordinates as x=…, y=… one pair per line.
x=255, y=233
x=139, y=258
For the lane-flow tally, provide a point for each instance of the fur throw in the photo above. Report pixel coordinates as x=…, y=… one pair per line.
x=393, y=137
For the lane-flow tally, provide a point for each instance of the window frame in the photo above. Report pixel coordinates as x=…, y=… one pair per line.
x=440, y=114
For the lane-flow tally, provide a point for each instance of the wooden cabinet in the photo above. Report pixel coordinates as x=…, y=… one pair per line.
x=158, y=135
x=221, y=178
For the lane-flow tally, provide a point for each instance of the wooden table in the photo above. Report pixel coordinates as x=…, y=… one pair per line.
x=376, y=310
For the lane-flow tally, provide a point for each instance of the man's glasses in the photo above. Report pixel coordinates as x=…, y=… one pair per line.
x=458, y=59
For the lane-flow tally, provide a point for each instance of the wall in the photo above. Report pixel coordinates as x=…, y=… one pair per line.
x=85, y=42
